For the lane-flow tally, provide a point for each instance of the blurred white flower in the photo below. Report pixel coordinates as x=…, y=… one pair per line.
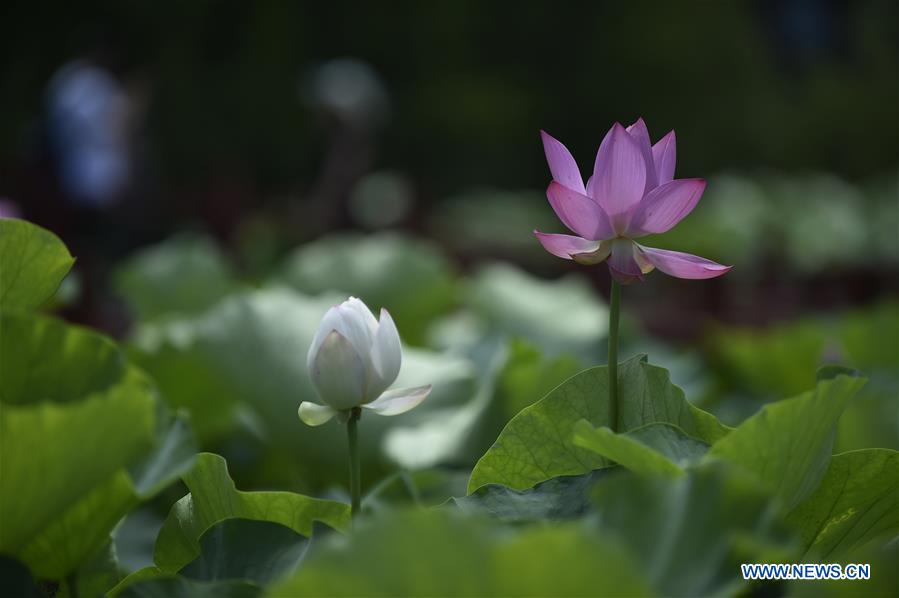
x=352, y=361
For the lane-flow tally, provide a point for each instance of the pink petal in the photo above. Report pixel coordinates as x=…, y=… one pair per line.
x=561, y=163
x=565, y=246
x=619, y=175
x=663, y=155
x=665, y=206
x=640, y=134
x=683, y=265
x=624, y=278
x=579, y=213
x=622, y=259
x=9, y=209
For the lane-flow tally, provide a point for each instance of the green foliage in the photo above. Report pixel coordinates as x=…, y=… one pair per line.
x=563, y=315
x=671, y=504
x=427, y=553
x=412, y=279
x=183, y=275
x=259, y=551
x=529, y=375
x=537, y=444
x=870, y=337
x=514, y=374
x=654, y=449
x=175, y=586
x=771, y=363
x=237, y=558
x=491, y=221
x=46, y=360
x=856, y=502
x=690, y=533
x=788, y=444
x=781, y=361
x=564, y=497
x=74, y=410
x=188, y=379
x=94, y=576
x=736, y=503
x=33, y=262
x=213, y=498
x=79, y=443
x=247, y=357
x=798, y=217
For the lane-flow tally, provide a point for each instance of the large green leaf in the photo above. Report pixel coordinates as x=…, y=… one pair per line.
x=788, y=444
x=564, y=497
x=884, y=581
x=45, y=359
x=81, y=530
x=657, y=448
x=214, y=498
x=411, y=278
x=33, y=261
x=183, y=275
x=442, y=553
x=54, y=454
x=78, y=531
x=259, y=551
x=538, y=443
x=856, y=502
x=237, y=555
x=690, y=533
x=654, y=449
x=74, y=417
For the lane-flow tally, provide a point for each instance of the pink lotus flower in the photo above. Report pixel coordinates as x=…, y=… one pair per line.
x=631, y=194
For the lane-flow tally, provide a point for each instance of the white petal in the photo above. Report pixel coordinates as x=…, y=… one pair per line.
x=363, y=312
x=313, y=414
x=358, y=325
x=400, y=400
x=386, y=355
x=338, y=373
x=329, y=323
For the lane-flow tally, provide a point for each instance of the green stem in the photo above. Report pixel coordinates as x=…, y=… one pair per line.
x=614, y=308
x=355, y=475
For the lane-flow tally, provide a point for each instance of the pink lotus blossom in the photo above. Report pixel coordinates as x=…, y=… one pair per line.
x=632, y=193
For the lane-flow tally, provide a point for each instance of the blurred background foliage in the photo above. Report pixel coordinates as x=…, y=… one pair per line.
x=274, y=157
x=225, y=171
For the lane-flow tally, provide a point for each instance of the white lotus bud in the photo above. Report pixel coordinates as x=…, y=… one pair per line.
x=352, y=361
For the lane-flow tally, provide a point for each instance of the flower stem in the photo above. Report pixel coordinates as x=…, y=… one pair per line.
x=355, y=475
x=614, y=308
